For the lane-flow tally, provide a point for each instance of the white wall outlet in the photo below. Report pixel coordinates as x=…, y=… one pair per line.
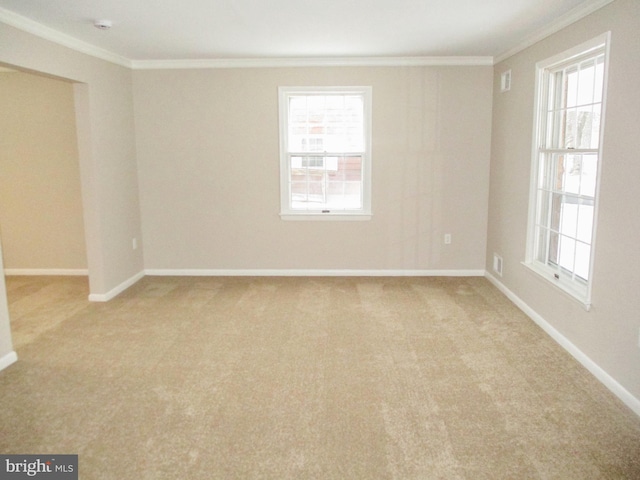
x=134, y=243
x=497, y=264
x=447, y=239
x=505, y=81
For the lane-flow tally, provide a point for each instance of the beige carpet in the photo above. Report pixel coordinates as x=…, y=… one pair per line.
x=300, y=378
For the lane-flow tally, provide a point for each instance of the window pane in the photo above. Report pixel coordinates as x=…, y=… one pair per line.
x=588, y=173
x=326, y=182
x=584, y=127
x=309, y=194
x=352, y=168
x=586, y=79
x=583, y=258
x=567, y=252
x=569, y=217
x=571, y=86
x=332, y=123
x=576, y=117
x=585, y=223
x=344, y=195
x=594, y=127
x=570, y=129
x=571, y=174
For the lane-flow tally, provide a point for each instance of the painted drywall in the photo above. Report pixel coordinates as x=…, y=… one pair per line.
x=40, y=199
x=609, y=333
x=106, y=150
x=7, y=355
x=208, y=157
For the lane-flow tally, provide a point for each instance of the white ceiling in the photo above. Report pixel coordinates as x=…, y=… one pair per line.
x=260, y=29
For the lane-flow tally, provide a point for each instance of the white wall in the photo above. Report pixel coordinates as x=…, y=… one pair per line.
x=7, y=355
x=209, y=190
x=40, y=200
x=209, y=171
x=106, y=146
x=608, y=334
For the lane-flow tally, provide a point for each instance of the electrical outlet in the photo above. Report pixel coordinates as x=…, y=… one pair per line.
x=447, y=239
x=134, y=243
x=497, y=264
x=505, y=81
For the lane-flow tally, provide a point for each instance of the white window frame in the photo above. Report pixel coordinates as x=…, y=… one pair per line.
x=576, y=288
x=288, y=213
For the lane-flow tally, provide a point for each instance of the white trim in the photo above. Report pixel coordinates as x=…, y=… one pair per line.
x=280, y=62
x=8, y=359
x=105, y=297
x=288, y=213
x=563, y=21
x=46, y=271
x=35, y=28
x=352, y=217
x=197, y=272
x=30, y=26
x=572, y=55
x=607, y=380
x=567, y=288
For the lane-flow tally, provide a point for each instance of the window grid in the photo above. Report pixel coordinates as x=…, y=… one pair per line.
x=324, y=143
x=568, y=155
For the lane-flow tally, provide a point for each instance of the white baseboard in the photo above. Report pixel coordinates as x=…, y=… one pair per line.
x=618, y=390
x=312, y=273
x=46, y=271
x=105, y=297
x=8, y=359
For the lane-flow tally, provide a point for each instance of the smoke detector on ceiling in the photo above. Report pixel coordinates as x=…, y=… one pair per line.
x=103, y=24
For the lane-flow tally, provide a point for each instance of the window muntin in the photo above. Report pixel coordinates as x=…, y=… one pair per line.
x=567, y=155
x=325, y=150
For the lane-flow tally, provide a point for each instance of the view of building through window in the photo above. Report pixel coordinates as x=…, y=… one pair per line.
x=326, y=149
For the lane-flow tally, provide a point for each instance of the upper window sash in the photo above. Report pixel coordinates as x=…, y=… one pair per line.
x=573, y=90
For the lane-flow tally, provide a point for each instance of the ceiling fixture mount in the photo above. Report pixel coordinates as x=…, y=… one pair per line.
x=102, y=24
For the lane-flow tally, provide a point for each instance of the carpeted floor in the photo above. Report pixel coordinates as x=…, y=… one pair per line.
x=303, y=378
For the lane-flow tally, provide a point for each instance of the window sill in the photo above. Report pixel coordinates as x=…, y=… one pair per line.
x=571, y=291
x=331, y=217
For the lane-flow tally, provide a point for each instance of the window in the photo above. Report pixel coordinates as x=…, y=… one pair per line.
x=325, y=150
x=566, y=164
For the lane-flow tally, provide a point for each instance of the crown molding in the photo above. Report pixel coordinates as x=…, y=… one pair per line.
x=47, y=33
x=30, y=26
x=572, y=16
x=310, y=62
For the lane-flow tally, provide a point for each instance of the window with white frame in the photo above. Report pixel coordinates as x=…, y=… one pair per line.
x=325, y=152
x=566, y=165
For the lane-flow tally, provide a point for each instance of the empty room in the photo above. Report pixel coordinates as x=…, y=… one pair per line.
x=328, y=240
